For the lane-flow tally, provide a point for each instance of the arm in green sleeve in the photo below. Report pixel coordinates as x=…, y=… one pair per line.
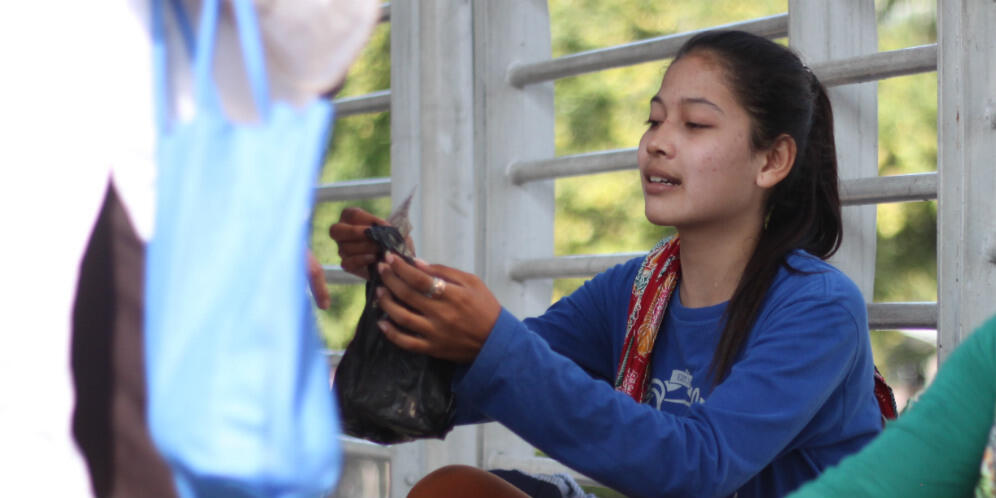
x=933, y=449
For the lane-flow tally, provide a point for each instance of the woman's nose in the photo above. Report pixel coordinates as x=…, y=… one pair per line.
x=659, y=140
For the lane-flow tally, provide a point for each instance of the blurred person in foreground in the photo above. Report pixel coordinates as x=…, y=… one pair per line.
x=78, y=187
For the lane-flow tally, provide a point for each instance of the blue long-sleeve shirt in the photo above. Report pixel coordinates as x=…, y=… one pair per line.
x=798, y=398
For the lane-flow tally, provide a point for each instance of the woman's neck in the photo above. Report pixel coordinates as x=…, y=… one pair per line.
x=712, y=262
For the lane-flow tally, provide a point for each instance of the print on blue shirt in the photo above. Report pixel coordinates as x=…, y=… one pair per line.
x=678, y=389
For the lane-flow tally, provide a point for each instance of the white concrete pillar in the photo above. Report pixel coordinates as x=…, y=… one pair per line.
x=822, y=31
x=966, y=116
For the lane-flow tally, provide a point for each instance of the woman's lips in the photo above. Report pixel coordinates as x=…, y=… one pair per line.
x=655, y=184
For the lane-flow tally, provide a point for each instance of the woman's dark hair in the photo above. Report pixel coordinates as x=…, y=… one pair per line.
x=782, y=96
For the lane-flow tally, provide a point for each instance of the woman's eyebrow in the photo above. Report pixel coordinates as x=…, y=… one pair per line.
x=701, y=100
x=690, y=100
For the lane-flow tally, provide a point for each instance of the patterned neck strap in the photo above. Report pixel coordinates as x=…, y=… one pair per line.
x=655, y=282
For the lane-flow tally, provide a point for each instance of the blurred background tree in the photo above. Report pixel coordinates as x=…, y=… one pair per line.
x=607, y=110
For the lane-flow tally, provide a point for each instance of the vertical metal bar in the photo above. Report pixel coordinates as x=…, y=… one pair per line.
x=966, y=222
x=432, y=151
x=823, y=31
x=512, y=124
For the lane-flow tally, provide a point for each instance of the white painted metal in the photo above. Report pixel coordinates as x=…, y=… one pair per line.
x=581, y=164
x=825, y=31
x=568, y=266
x=890, y=316
x=363, y=104
x=897, y=188
x=432, y=148
x=353, y=190
x=336, y=275
x=363, y=448
x=877, y=66
x=524, y=73
x=511, y=124
x=334, y=357
x=432, y=132
x=862, y=68
x=966, y=224
x=871, y=190
x=579, y=266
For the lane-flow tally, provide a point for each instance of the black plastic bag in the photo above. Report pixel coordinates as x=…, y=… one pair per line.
x=387, y=394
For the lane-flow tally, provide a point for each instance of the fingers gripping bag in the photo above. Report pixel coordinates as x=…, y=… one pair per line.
x=387, y=394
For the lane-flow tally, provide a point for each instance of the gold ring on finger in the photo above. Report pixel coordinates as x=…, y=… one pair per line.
x=437, y=288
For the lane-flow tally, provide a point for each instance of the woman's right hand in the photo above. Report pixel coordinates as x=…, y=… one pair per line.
x=355, y=249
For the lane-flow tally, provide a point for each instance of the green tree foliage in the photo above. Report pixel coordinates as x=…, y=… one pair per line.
x=607, y=110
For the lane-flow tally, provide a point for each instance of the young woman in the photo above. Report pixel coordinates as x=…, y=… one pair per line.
x=731, y=359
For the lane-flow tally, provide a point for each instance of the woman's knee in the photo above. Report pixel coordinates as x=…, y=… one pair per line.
x=463, y=481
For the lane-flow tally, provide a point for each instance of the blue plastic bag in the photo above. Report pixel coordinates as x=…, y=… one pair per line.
x=239, y=401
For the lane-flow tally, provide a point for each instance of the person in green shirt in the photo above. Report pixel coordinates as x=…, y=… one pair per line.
x=935, y=447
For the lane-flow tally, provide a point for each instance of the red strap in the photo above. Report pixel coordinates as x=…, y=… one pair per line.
x=886, y=400
x=652, y=289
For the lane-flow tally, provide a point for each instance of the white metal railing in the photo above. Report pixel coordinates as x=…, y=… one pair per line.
x=336, y=275
x=567, y=266
x=882, y=189
x=874, y=190
x=363, y=104
x=334, y=357
x=879, y=66
x=522, y=172
x=889, y=316
x=631, y=53
x=880, y=316
x=361, y=448
x=899, y=188
x=353, y=190
x=839, y=72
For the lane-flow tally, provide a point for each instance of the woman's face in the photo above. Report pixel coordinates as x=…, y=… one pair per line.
x=696, y=161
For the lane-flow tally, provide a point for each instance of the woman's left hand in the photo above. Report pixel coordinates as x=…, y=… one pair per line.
x=316, y=279
x=452, y=318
